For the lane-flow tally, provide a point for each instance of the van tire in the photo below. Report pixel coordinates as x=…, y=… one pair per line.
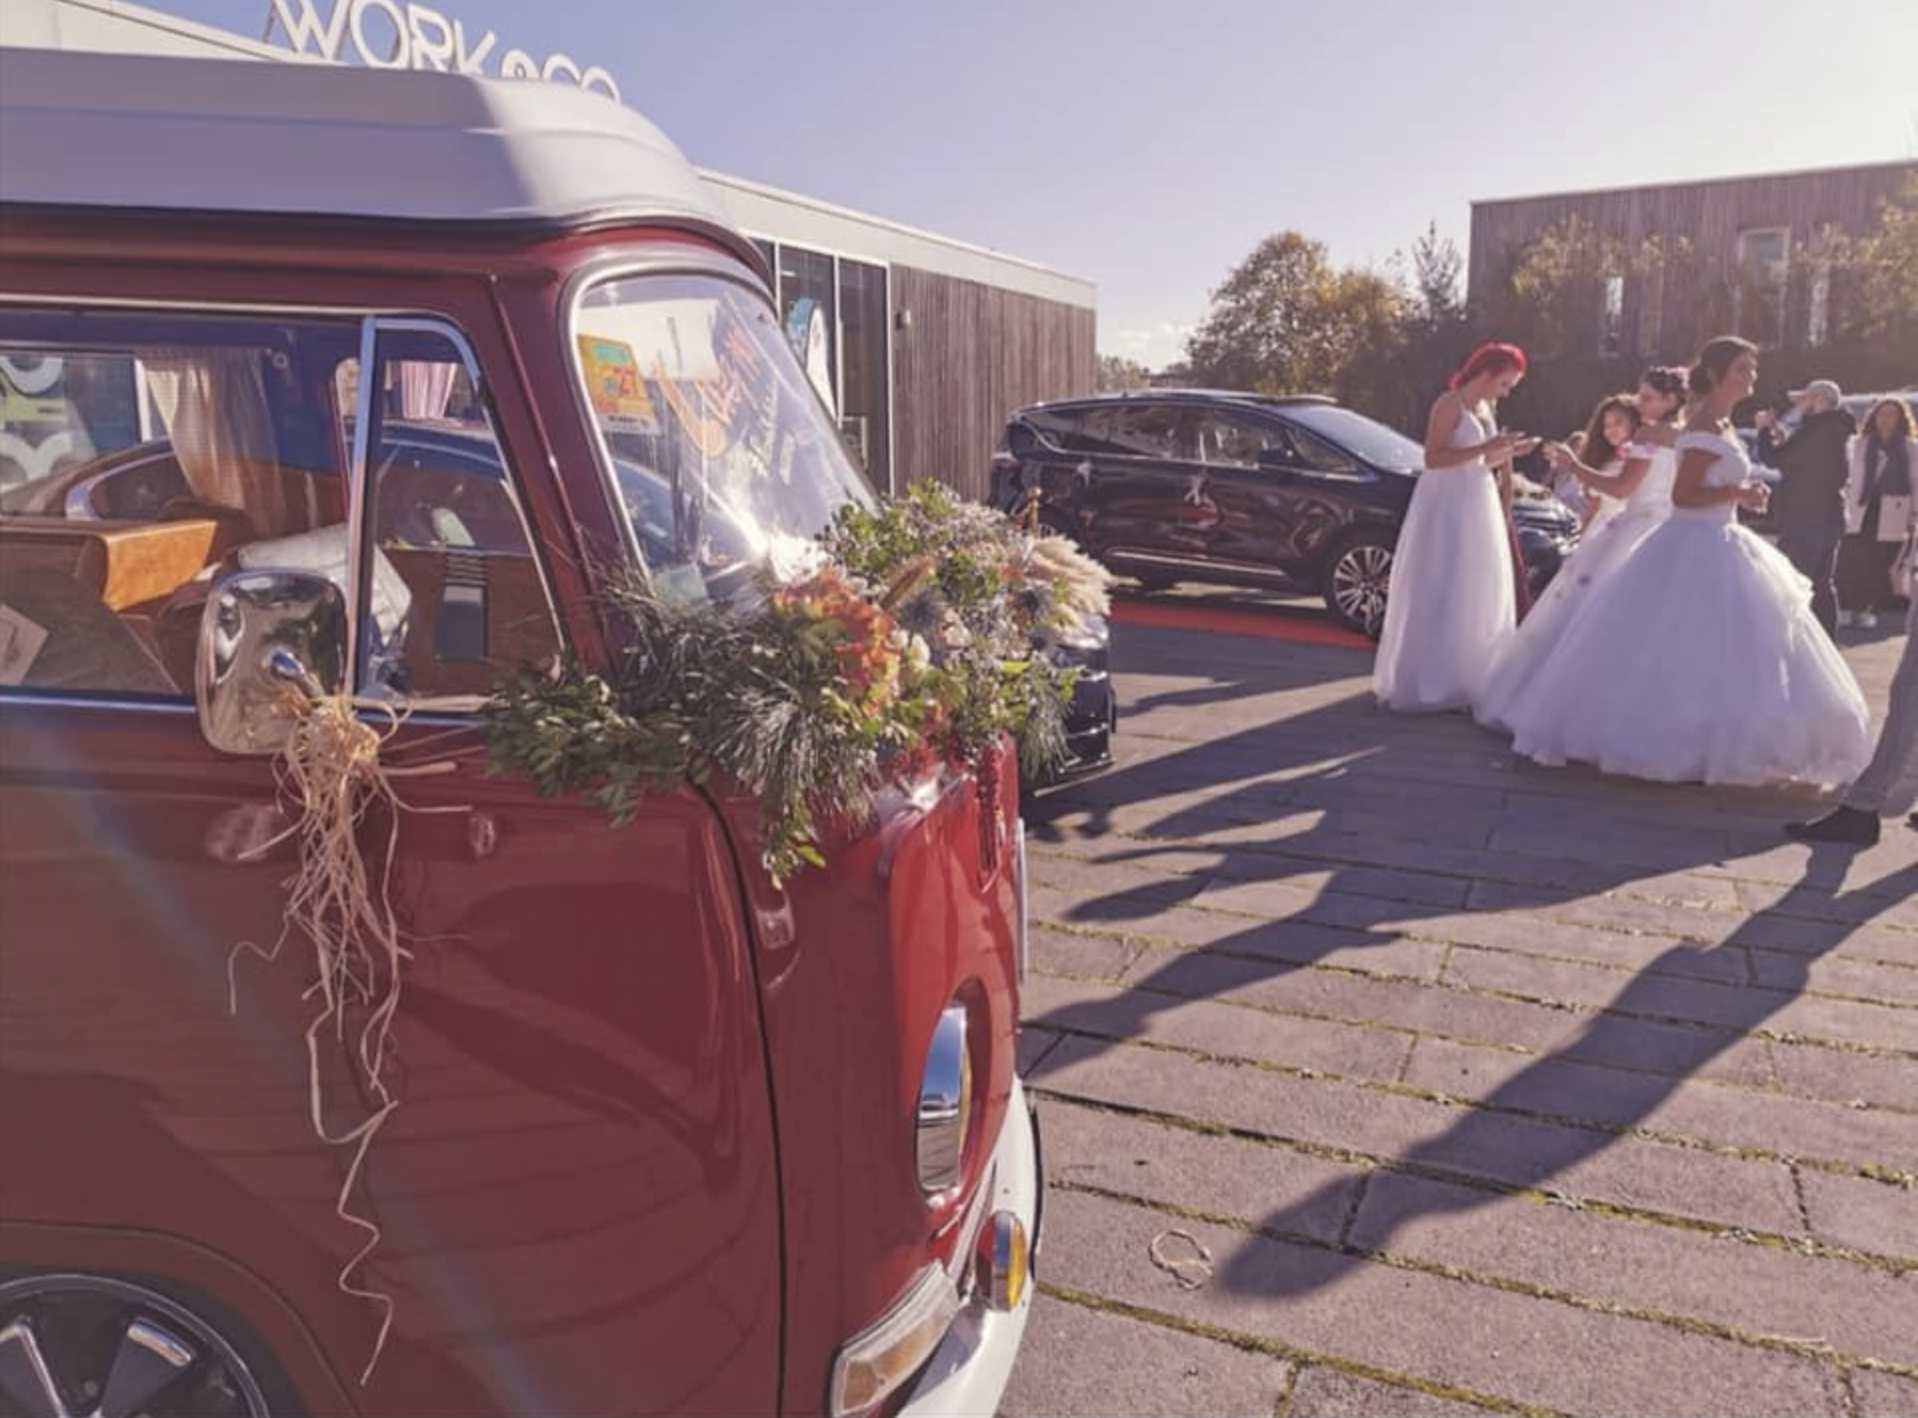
x=188, y=1357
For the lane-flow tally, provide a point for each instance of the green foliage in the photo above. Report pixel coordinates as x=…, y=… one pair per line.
x=1286, y=321
x=979, y=591
x=1885, y=263
x=910, y=645
x=1115, y=374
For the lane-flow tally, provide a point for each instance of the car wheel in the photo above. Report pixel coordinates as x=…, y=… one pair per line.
x=90, y=1344
x=1356, y=580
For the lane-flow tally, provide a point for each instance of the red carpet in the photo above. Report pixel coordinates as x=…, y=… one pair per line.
x=1217, y=620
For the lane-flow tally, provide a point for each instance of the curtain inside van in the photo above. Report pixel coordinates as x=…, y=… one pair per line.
x=213, y=403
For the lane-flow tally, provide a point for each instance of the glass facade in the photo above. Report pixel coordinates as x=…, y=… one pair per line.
x=809, y=309
x=836, y=314
x=866, y=390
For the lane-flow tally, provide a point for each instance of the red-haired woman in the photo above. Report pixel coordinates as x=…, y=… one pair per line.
x=1453, y=594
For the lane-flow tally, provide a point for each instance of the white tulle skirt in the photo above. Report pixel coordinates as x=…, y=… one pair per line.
x=1451, y=598
x=1698, y=660
x=1614, y=535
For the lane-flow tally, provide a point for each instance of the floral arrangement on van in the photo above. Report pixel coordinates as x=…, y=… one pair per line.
x=907, y=644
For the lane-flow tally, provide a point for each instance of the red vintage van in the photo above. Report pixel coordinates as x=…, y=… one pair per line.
x=370, y=379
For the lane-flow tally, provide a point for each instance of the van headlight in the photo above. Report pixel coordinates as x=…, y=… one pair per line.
x=945, y=1103
x=872, y=1365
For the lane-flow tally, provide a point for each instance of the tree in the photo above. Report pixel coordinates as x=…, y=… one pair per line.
x=1885, y=271
x=1437, y=285
x=1116, y=373
x=1564, y=293
x=1552, y=298
x=1285, y=321
x=1396, y=377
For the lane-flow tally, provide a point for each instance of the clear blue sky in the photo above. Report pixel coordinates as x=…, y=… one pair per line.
x=1148, y=145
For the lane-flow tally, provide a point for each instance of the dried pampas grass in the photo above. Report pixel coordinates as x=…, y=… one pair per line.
x=1080, y=583
x=330, y=781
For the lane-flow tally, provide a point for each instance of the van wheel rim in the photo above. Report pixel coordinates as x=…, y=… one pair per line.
x=74, y=1345
x=1359, y=581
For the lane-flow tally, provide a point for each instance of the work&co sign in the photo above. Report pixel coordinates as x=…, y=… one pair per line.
x=389, y=34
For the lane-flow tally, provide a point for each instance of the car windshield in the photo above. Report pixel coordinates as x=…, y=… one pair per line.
x=723, y=456
x=1365, y=439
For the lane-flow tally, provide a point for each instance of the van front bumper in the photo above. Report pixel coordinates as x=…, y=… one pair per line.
x=968, y=1371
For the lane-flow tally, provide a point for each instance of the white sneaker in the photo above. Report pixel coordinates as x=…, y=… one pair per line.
x=1867, y=620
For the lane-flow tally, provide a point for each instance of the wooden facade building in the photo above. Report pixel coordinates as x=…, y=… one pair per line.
x=968, y=335
x=1743, y=254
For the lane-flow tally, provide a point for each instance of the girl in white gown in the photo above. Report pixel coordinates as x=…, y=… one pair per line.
x=1629, y=438
x=1698, y=659
x=1452, y=597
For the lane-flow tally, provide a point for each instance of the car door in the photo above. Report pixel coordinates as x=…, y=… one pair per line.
x=1254, y=479
x=573, y=1206
x=1152, y=490
x=588, y=994
x=1106, y=472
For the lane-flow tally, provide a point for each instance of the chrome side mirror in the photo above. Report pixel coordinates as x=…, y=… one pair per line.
x=269, y=641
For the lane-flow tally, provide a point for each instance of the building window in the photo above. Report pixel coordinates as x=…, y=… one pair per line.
x=1764, y=268
x=1651, y=307
x=1611, y=315
x=1818, y=315
x=809, y=309
x=865, y=405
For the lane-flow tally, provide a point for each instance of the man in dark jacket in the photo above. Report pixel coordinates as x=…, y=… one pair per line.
x=1809, y=506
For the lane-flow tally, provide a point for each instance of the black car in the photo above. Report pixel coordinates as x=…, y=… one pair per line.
x=1205, y=485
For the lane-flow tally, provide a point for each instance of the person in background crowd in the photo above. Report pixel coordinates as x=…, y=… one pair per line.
x=1453, y=595
x=1809, y=508
x=1889, y=784
x=1879, y=512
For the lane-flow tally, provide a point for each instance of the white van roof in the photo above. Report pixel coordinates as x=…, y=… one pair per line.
x=167, y=133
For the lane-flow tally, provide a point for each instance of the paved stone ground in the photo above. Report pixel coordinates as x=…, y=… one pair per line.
x=1485, y=1086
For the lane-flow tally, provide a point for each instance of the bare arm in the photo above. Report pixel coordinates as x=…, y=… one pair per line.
x=1620, y=484
x=1690, y=490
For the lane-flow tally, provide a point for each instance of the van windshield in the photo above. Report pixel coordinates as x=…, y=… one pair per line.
x=723, y=456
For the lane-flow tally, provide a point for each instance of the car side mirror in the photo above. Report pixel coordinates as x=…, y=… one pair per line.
x=269, y=642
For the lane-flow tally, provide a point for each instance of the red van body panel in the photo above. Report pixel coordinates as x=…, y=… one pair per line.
x=656, y=1144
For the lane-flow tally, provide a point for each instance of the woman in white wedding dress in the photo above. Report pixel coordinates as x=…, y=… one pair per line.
x=1630, y=440
x=1698, y=659
x=1453, y=597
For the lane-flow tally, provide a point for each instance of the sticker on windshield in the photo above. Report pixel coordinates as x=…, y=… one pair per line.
x=613, y=385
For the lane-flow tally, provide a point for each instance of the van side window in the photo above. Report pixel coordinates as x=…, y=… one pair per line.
x=453, y=592
x=143, y=453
